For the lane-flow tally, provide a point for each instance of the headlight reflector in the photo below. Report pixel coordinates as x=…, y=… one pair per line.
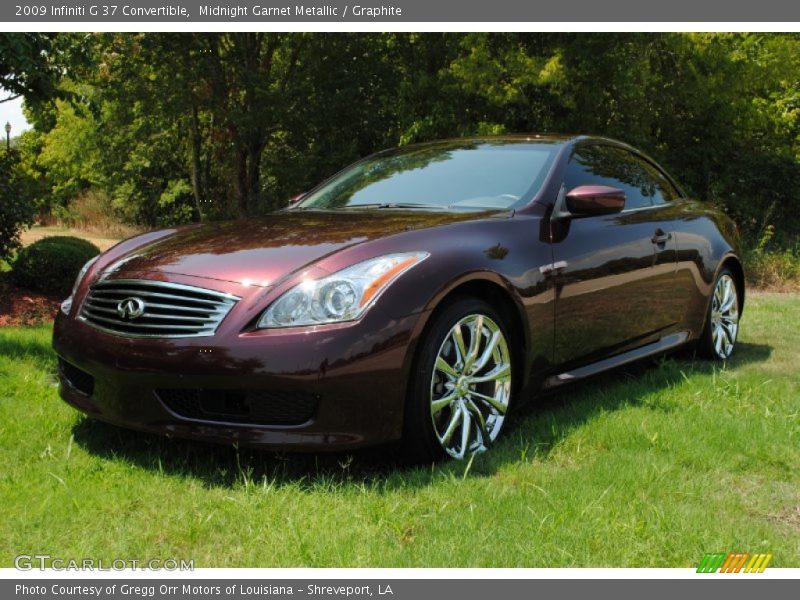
x=66, y=305
x=343, y=296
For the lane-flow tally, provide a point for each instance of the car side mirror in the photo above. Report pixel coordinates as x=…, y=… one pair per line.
x=595, y=200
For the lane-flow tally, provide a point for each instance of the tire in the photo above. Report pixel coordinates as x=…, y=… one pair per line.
x=459, y=394
x=721, y=326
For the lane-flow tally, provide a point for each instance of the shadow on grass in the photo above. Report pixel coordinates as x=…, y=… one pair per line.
x=545, y=422
x=15, y=346
x=554, y=414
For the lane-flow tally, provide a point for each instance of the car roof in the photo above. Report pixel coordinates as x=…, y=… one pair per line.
x=515, y=137
x=533, y=138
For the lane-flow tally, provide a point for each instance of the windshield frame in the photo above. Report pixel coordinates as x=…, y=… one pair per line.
x=538, y=183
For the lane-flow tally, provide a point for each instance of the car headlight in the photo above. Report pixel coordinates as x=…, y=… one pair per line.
x=343, y=296
x=66, y=305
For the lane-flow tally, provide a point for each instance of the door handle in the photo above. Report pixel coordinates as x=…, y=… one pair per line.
x=556, y=266
x=660, y=237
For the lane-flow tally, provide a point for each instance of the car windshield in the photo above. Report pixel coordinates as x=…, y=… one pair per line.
x=450, y=175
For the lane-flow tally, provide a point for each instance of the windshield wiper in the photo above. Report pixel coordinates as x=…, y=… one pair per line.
x=399, y=205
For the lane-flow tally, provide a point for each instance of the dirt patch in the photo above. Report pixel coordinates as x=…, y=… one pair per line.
x=24, y=308
x=788, y=518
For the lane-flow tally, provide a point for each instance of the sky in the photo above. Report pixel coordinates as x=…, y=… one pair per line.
x=11, y=112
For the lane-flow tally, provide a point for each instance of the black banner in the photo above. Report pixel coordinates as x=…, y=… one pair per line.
x=700, y=587
x=265, y=11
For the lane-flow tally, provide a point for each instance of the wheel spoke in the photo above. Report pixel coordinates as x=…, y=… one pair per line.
x=455, y=420
x=486, y=438
x=487, y=353
x=461, y=350
x=493, y=402
x=729, y=332
x=443, y=402
x=498, y=373
x=717, y=339
x=726, y=345
x=466, y=429
x=476, y=331
x=445, y=367
x=728, y=300
x=717, y=297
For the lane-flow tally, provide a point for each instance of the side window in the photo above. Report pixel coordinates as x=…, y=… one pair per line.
x=664, y=190
x=616, y=167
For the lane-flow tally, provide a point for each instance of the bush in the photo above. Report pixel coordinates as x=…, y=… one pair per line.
x=51, y=264
x=773, y=270
x=769, y=268
x=92, y=211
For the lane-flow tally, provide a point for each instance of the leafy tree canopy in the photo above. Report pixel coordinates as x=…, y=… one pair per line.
x=176, y=127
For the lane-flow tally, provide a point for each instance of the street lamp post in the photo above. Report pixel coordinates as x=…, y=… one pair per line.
x=8, y=136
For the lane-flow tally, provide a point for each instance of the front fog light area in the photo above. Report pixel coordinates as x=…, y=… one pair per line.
x=343, y=296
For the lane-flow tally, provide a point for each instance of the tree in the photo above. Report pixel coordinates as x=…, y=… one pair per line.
x=30, y=66
x=15, y=211
x=27, y=66
x=173, y=127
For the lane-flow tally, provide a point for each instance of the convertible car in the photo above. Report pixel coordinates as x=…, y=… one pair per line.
x=416, y=297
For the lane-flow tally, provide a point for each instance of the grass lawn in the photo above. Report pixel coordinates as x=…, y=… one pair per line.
x=653, y=465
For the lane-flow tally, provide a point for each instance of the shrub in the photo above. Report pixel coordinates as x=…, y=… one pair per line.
x=773, y=270
x=768, y=268
x=92, y=211
x=51, y=264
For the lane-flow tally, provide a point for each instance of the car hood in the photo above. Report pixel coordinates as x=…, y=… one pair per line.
x=261, y=251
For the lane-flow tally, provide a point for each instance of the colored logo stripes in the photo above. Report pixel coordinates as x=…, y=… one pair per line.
x=735, y=562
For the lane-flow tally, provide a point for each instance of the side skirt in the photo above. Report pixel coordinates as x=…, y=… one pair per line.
x=666, y=343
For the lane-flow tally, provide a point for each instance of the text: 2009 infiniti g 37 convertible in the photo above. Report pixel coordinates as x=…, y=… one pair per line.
x=418, y=295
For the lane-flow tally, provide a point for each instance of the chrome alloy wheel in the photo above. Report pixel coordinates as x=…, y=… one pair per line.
x=470, y=386
x=724, y=316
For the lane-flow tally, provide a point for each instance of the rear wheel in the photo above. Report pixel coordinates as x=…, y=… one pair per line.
x=722, y=320
x=462, y=384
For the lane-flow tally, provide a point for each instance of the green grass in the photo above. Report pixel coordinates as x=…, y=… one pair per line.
x=653, y=465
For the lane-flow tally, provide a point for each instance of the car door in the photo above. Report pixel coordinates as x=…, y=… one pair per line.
x=666, y=217
x=611, y=271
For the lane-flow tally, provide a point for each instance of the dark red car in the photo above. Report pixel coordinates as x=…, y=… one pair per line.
x=418, y=295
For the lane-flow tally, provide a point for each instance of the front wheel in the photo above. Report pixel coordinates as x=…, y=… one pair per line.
x=722, y=320
x=462, y=384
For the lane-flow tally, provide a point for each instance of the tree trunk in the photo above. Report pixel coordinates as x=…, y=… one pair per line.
x=248, y=177
x=197, y=173
x=240, y=182
x=254, y=177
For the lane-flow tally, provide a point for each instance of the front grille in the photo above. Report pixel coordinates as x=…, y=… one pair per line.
x=258, y=407
x=80, y=380
x=167, y=310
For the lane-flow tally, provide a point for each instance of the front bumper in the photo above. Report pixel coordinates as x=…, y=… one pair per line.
x=354, y=373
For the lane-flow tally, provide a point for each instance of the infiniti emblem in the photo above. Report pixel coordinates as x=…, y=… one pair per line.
x=130, y=308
